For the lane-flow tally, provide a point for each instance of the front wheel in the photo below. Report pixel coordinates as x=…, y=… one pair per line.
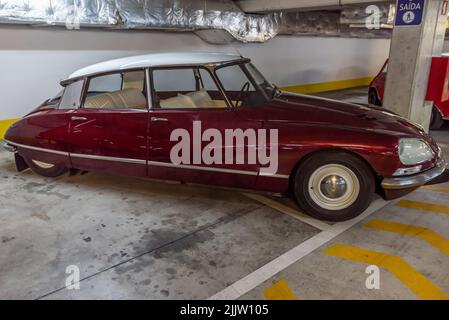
x=333, y=186
x=45, y=169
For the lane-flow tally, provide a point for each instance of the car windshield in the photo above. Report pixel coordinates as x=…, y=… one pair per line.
x=245, y=85
x=260, y=79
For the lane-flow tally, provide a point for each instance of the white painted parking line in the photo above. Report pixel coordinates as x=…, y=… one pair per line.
x=256, y=278
x=289, y=211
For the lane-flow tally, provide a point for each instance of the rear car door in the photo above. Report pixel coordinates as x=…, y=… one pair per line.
x=109, y=131
x=48, y=126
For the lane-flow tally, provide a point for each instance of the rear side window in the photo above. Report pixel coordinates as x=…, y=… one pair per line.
x=111, y=82
x=124, y=90
x=72, y=95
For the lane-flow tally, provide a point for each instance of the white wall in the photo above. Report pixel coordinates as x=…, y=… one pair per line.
x=33, y=61
x=446, y=46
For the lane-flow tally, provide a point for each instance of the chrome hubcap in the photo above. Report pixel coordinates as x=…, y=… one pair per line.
x=333, y=186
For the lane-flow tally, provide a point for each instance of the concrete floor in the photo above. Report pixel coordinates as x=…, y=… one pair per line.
x=136, y=239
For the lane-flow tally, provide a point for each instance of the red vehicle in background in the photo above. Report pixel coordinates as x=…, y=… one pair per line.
x=440, y=110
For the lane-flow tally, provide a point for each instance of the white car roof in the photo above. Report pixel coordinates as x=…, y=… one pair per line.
x=155, y=60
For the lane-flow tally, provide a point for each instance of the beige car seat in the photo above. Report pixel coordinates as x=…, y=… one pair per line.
x=196, y=99
x=180, y=101
x=202, y=99
x=122, y=99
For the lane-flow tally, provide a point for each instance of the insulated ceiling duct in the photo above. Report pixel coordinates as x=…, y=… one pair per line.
x=176, y=15
x=85, y=12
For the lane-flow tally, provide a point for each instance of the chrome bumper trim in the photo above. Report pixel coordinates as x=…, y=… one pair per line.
x=9, y=147
x=415, y=180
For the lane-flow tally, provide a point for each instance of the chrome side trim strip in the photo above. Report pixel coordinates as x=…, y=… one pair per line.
x=282, y=176
x=153, y=163
x=192, y=167
x=61, y=153
x=116, y=159
x=222, y=170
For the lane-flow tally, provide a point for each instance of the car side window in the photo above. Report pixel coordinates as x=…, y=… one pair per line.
x=125, y=90
x=244, y=85
x=185, y=88
x=72, y=95
x=233, y=78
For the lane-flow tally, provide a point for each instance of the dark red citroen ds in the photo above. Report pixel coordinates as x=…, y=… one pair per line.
x=214, y=119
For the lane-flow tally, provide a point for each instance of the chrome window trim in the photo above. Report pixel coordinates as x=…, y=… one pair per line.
x=168, y=65
x=148, y=85
x=152, y=163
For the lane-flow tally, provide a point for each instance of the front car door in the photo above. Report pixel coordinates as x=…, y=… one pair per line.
x=109, y=131
x=189, y=109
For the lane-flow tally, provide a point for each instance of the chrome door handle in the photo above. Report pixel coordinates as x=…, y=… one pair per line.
x=156, y=119
x=79, y=118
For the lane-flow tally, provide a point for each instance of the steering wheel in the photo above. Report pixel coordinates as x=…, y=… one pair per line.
x=242, y=93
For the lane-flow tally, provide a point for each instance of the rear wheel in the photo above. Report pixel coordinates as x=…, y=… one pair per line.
x=45, y=169
x=333, y=186
x=436, y=120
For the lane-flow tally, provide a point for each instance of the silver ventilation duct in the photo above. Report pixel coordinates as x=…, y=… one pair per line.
x=176, y=15
x=199, y=15
x=85, y=12
x=348, y=21
x=215, y=21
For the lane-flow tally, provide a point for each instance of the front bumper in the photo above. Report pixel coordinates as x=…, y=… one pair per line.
x=415, y=180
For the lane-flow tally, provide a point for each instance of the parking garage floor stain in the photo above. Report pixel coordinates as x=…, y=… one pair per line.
x=136, y=239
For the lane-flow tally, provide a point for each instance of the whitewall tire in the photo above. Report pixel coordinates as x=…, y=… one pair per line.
x=333, y=185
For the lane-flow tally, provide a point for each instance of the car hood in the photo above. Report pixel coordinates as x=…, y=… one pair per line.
x=311, y=110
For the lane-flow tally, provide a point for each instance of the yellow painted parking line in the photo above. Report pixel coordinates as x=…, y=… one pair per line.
x=329, y=86
x=279, y=291
x=426, y=206
x=436, y=187
x=415, y=281
x=431, y=237
x=4, y=125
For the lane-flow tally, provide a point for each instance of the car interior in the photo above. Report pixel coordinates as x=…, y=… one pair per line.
x=175, y=88
x=185, y=88
x=130, y=91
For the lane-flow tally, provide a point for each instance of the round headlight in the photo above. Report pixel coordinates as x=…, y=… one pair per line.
x=414, y=151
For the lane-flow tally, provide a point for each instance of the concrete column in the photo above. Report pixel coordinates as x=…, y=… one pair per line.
x=412, y=48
